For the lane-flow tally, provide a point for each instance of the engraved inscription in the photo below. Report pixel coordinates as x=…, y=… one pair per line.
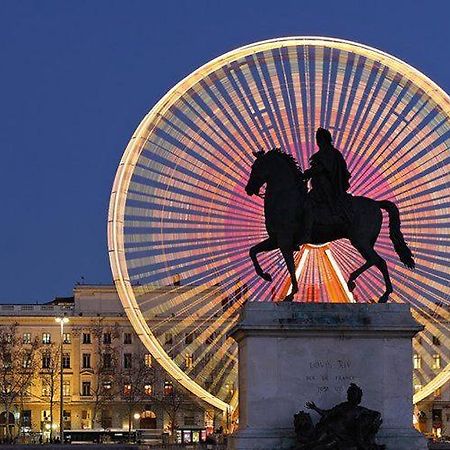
x=330, y=375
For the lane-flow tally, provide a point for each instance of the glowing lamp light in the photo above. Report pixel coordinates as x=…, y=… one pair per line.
x=62, y=320
x=137, y=416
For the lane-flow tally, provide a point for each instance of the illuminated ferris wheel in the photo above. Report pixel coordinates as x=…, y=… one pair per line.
x=180, y=223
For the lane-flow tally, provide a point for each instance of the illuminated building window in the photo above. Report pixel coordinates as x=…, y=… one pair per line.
x=438, y=393
x=86, y=338
x=168, y=388
x=26, y=338
x=26, y=418
x=417, y=361
x=27, y=359
x=66, y=388
x=45, y=388
x=189, y=360
x=176, y=279
x=7, y=360
x=66, y=361
x=46, y=338
x=230, y=388
x=86, y=361
x=107, y=338
x=86, y=388
x=436, y=361
x=107, y=360
x=127, y=389
x=148, y=360
x=436, y=340
x=127, y=360
x=46, y=360
x=66, y=338
x=148, y=389
x=127, y=339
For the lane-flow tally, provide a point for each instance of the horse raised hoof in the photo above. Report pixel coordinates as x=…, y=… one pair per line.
x=384, y=298
x=266, y=276
x=351, y=285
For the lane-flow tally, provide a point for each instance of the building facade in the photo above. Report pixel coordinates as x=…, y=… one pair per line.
x=109, y=380
x=430, y=359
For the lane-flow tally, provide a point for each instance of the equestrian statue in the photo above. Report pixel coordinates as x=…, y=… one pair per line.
x=295, y=216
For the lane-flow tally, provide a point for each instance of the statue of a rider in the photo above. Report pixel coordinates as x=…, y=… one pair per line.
x=329, y=183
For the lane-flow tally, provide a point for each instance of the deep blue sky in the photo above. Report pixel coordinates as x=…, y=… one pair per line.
x=78, y=76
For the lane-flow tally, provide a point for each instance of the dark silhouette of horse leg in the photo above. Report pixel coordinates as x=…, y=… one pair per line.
x=383, y=268
x=354, y=275
x=288, y=255
x=373, y=259
x=265, y=246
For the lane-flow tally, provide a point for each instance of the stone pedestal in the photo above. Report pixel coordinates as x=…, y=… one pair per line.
x=291, y=353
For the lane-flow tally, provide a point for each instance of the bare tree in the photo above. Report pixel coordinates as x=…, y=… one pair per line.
x=104, y=367
x=18, y=365
x=134, y=381
x=170, y=400
x=50, y=376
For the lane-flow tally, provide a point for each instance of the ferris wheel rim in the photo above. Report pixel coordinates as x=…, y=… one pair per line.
x=134, y=148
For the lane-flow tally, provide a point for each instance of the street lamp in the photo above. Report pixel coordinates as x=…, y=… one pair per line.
x=136, y=416
x=61, y=321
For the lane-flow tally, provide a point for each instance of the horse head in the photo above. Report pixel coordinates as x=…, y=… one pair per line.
x=258, y=175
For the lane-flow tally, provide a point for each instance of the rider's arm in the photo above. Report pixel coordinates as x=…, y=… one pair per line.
x=313, y=171
x=312, y=405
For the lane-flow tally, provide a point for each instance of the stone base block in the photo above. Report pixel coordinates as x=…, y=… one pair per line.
x=402, y=439
x=292, y=353
x=284, y=439
x=262, y=439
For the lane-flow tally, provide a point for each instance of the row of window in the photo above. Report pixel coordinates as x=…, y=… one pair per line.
x=86, y=388
x=435, y=340
x=86, y=338
x=107, y=361
x=436, y=361
x=189, y=338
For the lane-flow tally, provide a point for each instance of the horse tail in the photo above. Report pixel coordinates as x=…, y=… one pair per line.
x=400, y=246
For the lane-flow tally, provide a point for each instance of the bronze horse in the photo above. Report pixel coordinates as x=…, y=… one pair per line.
x=284, y=200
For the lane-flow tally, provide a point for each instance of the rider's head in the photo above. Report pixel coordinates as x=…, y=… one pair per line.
x=323, y=138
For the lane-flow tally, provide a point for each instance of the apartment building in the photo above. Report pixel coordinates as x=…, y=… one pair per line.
x=100, y=352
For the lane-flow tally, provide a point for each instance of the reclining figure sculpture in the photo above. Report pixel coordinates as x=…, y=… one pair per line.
x=347, y=426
